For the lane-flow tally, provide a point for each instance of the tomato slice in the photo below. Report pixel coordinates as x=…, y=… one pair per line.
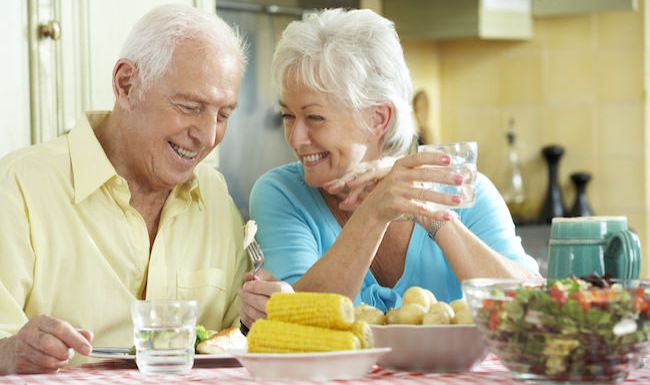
x=558, y=295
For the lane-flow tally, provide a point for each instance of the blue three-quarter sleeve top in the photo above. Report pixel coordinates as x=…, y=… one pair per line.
x=296, y=228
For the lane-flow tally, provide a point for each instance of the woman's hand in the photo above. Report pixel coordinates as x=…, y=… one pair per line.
x=401, y=194
x=359, y=182
x=255, y=292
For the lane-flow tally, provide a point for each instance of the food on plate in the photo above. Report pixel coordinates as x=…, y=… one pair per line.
x=462, y=313
x=274, y=336
x=410, y=313
x=442, y=307
x=327, y=310
x=201, y=334
x=419, y=295
x=370, y=314
x=249, y=232
x=436, y=316
x=308, y=322
x=419, y=307
x=363, y=332
x=459, y=305
x=222, y=341
x=463, y=318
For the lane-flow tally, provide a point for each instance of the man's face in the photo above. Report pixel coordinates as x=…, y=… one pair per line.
x=182, y=116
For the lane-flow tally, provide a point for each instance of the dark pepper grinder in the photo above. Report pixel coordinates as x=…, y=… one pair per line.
x=581, y=205
x=553, y=204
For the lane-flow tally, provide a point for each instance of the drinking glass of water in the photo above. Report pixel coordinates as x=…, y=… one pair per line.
x=164, y=333
x=463, y=161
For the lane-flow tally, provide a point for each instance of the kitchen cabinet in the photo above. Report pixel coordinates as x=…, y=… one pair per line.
x=544, y=8
x=14, y=66
x=445, y=19
x=59, y=61
x=485, y=19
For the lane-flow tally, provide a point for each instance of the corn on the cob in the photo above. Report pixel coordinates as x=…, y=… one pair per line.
x=272, y=336
x=362, y=330
x=326, y=310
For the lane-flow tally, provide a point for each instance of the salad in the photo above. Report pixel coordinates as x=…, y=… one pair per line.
x=574, y=328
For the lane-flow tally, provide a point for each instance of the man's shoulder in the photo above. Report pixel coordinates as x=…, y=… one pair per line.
x=36, y=158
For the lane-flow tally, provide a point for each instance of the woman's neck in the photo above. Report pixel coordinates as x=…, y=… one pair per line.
x=332, y=202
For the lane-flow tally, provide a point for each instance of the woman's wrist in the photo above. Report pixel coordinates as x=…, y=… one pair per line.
x=435, y=227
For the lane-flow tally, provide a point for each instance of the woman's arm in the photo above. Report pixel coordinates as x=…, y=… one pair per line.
x=482, y=242
x=470, y=257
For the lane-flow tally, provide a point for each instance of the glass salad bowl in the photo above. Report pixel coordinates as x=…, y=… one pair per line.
x=563, y=331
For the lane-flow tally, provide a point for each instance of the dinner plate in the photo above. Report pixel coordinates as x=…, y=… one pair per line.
x=123, y=354
x=344, y=364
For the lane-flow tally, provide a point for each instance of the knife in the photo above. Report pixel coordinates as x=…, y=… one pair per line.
x=111, y=350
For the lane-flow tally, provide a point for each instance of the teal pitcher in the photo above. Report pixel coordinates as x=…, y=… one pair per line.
x=599, y=244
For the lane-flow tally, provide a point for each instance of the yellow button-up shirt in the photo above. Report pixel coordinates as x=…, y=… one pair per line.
x=72, y=247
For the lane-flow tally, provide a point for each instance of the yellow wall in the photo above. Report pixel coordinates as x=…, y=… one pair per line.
x=579, y=83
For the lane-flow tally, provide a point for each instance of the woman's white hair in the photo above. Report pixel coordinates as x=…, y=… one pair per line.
x=153, y=39
x=356, y=56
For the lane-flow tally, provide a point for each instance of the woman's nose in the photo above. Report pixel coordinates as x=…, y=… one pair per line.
x=298, y=133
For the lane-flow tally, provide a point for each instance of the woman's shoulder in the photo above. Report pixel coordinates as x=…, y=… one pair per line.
x=286, y=171
x=286, y=177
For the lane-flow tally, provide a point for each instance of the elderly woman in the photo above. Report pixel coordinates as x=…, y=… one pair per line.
x=344, y=94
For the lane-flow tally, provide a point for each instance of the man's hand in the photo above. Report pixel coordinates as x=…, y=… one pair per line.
x=43, y=345
x=255, y=292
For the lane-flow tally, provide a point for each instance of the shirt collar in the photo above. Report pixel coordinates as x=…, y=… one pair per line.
x=91, y=167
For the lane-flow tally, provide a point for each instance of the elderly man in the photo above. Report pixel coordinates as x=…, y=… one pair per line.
x=121, y=208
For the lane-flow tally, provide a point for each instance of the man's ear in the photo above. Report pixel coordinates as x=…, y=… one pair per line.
x=382, y=115
x=124, y=75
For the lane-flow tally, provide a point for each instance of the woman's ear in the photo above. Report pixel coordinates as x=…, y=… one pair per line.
x=124, y=75
x=382, y=115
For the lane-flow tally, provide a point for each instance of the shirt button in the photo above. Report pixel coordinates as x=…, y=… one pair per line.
x=118, y=181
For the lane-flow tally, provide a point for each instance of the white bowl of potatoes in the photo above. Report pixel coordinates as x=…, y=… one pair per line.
x=426, y=335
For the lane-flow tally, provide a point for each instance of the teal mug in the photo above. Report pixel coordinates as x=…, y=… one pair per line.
x=600, y=244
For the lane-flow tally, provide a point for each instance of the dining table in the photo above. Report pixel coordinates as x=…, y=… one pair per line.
x=489, y=372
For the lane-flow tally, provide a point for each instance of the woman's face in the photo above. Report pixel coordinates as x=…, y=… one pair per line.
x=325, y=135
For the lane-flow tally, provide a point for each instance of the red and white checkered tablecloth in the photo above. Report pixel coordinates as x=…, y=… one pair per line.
x=489, y=372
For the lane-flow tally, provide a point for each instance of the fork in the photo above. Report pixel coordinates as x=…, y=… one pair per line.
x=256, y=255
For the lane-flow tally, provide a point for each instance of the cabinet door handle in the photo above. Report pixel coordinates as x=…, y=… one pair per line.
x=51, y=30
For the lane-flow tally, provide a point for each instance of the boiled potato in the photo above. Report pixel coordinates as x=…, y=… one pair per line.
x=370, y=314
x=419, y=295
x=459, y=305
x=442, y=306
x=436, y=316
x=410, y=313
x=463, y=317
x=440, y=313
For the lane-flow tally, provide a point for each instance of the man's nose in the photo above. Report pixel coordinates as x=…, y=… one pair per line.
x=206, y=130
